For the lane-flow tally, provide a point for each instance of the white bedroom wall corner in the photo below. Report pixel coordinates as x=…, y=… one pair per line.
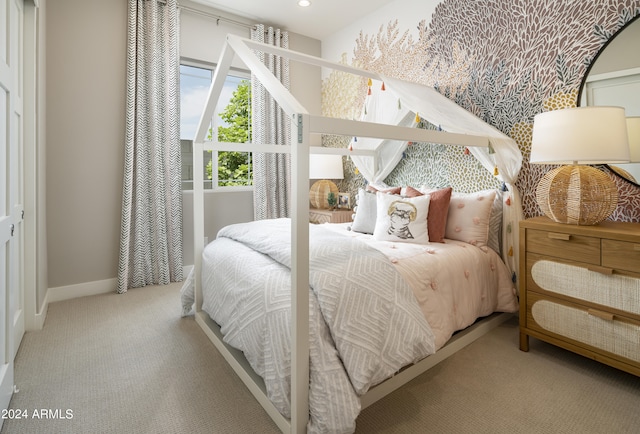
x=35, y=254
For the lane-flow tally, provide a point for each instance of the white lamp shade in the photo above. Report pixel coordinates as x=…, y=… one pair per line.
x=633, y=128
x=582, y=135
x=325, y=166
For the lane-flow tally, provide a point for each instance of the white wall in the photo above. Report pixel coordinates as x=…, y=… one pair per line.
x=86, y=68
x=409, y=13
x=85, y=82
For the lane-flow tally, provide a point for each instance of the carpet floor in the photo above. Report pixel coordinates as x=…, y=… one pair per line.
x=130, y=364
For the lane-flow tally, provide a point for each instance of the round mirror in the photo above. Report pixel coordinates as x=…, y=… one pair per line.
x=613, y=78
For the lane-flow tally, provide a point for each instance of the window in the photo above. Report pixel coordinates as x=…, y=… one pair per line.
x=231, y=122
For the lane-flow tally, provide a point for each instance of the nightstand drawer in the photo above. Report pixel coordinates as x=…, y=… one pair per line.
x=621, y=255
x=590, y=328
x=612, y=292
x=564, y=245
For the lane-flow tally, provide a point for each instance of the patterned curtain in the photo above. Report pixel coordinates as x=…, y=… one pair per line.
x=151, y=226
x=271, y=172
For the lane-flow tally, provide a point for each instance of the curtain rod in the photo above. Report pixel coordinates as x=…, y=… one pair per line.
x=218, y=18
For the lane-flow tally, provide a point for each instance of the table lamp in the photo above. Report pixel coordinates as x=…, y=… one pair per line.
x=324, y=167
x=578, y=193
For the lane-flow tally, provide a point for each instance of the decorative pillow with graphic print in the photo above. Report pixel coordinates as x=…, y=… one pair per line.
x=438, y=210
x=469, y=215
x=402, y=219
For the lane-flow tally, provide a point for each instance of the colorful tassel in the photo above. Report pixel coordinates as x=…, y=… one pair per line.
x=509, y=228
x=495, y=171
x=417, y=117
x=466, y=151
x=510, y=251
x=399, y=104
x=382, y=88
x=355, y=139
x=356, y=171
x=350, y=147
x=369, y=83
x=508, y=201
x=369, y=91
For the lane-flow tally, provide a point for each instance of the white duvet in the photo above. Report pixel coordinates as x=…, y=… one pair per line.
x=374, y=307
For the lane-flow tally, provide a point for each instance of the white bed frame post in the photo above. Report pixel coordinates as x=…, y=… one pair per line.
x=300, y=273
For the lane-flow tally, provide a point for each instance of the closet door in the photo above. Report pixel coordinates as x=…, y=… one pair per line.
x=11, y=193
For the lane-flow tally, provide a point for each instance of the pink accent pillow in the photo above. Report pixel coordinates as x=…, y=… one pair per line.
x=438, y=211
x=469, y=215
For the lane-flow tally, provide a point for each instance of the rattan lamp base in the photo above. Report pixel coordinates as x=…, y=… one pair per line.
x=578, y=195
x=319, y=193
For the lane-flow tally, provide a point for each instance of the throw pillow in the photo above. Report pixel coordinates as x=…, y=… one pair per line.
x=366, y=210
x=402, y=219
x=468, y=218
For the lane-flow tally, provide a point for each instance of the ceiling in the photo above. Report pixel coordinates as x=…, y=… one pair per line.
x=318, y=21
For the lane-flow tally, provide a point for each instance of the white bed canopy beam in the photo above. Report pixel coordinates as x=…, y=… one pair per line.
x=217, y=83
x=280, y=149
x=276, y=89
x=345, y=127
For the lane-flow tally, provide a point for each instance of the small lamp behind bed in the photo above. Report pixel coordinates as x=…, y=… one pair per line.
x=324, y=167
x=578, y=193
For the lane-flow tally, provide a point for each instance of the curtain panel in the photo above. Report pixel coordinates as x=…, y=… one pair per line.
x=270, y=125
x=151, y=224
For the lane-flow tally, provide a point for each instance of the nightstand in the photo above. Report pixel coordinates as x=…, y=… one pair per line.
x=580, y=289
x=329, y=216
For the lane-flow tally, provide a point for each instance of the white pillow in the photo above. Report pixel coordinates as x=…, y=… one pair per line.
x=469, y=216
x=402, y=219
x=366, y=211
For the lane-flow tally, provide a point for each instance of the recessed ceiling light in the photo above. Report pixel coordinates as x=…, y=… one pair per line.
x=304, y=3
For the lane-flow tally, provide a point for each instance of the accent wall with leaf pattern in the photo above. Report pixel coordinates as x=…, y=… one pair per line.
x=503, y=60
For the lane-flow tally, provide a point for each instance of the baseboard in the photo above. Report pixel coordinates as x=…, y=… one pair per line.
x=62, y=293
x=40, y=317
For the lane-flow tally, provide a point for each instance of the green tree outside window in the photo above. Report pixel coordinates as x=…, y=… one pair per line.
x=235, y=168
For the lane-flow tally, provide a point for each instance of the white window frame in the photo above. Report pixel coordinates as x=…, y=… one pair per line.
x=210, y=185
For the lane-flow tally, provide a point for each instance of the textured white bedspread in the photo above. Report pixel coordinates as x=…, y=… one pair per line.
x=365, y=323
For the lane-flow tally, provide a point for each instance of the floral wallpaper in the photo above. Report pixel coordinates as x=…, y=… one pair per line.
x=503, y=60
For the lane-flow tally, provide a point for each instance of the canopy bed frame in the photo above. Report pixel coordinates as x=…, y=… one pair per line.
x=304, y=125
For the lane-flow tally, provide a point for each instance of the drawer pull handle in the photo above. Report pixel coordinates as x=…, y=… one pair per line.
x=600, y=314
x=601, y=270
x=558, y=236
